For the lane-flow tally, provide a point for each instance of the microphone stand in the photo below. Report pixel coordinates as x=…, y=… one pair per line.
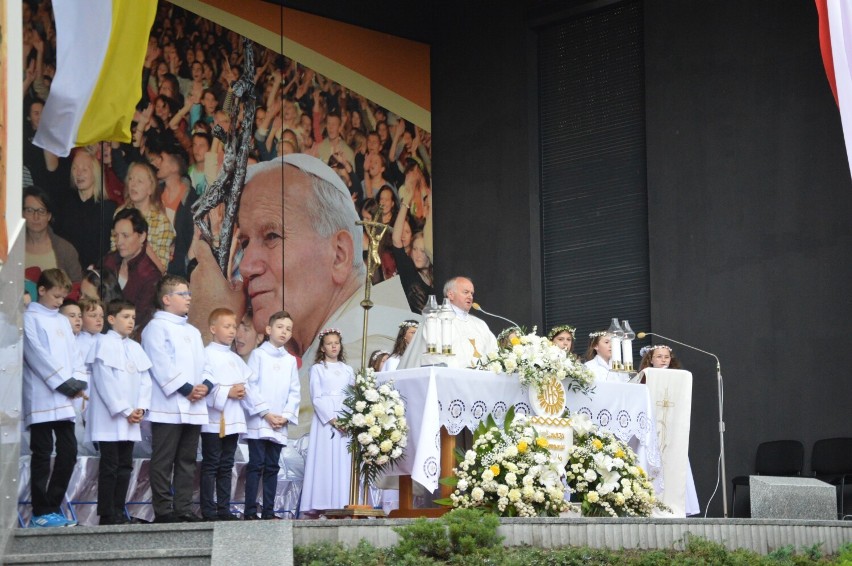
x=480, y=309
x=721, y=420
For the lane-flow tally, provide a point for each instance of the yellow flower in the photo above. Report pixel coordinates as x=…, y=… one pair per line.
x=522, y=446
x=597, y=444
x=541, y=441
x=514, y=340
x=619, y=453
x=592, y=497
x=495, y=469
x=641, y=471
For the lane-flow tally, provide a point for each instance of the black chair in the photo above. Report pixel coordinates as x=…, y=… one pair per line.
x=775, y=458
x=831, y=462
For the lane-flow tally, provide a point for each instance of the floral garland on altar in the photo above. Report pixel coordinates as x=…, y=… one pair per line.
x=508, y=472
x=374, y=415
x=536, y=359
x=603, y=474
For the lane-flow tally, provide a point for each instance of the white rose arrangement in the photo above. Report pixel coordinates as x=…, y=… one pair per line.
x=374, y=415
x=604, y=476
x=508, y=472
x=535, y=359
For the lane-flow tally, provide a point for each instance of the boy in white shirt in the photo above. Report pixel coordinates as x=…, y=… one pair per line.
x=121, y=394
x=54, y=374
x=229, y=375
x=272, y=401
x=178, y=409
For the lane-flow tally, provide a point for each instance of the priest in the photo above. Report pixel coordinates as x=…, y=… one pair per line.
x=472, y=338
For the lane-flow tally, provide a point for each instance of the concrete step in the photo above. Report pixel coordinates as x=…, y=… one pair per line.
x=182, y=543
x=151, y=557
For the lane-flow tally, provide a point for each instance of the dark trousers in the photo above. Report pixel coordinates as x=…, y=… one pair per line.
x=114, y=471
x=48, y=489
x=263, y=460
x=173, y=451
x=217, y=466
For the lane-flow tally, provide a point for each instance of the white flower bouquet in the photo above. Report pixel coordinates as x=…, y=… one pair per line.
x=374, y=417
x=535, y=359
x=508, y=472
x=603, y=474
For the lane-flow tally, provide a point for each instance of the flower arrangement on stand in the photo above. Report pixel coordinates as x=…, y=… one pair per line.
x=374, y=416
x=604, y=476
x=508, y=472
x=536, y=360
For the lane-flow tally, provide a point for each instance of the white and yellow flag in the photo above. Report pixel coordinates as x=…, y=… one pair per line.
x=100, y=50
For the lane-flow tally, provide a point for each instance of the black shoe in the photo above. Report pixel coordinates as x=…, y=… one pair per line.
x=271, y=518
x=108, y=520
x=251, y=517
x=227, y=517
x=168, y=518
x=121, y=519
x=209, y=518
x=189, y=518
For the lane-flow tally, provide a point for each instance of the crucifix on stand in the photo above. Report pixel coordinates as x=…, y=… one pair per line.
x=358, y=506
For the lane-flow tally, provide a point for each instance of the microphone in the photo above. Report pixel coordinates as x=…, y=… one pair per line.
x=641, y=335
x=480, y=309
x=721, y=400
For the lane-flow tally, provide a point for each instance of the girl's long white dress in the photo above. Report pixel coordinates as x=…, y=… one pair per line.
x=328, y=464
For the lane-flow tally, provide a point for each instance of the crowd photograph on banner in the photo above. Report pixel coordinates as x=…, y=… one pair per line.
x=383, y=159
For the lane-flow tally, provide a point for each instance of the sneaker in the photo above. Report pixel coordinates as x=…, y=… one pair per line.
x=51, y=520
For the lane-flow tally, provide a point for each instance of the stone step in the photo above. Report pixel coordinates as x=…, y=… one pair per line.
x=118, y=538
x=147, y=557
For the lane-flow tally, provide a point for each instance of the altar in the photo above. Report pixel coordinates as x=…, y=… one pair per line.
x=450, y=400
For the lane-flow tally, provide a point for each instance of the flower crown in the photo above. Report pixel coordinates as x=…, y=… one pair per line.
x=557, y=330
x=328, y=331
x=646, y=349
x=506, y=331
x=409, y=324
x=598, y=334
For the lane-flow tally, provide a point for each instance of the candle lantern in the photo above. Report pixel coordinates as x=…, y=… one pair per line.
x=431, y=330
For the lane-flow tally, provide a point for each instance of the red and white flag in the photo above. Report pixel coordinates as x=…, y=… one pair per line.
x=835, y=40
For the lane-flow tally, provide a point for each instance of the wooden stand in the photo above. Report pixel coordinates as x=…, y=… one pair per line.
x=448, y=461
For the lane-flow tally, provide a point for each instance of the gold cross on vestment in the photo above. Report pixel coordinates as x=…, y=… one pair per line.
x=663, y=419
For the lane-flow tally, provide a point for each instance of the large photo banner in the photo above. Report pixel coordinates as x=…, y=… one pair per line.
x=339, y=132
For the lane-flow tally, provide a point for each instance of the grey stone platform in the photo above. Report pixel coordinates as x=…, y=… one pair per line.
x=273, y=541
x=792, y=498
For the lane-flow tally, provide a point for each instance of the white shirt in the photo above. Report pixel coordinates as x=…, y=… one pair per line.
x=51, y=358
x=177, y=357
x=391, y=363
x=273, y=387
x=603, y=371
x=120, y=385
x=224, y=369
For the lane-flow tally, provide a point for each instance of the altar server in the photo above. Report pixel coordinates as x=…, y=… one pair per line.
x=178, y=406
x=272, y=403
x=120, y=397
x=54, y=374
x=599, y=359
x=229, y=375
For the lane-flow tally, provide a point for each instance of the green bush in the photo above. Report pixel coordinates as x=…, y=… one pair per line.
x=466, y=537
x=458, y=534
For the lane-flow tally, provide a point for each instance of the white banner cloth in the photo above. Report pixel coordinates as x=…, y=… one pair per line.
x=671, y=392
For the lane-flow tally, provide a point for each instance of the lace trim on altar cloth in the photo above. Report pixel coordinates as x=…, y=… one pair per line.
x=459, y=414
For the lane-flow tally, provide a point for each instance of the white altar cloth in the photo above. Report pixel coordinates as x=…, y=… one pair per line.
x=461, y=398
x=625, y=409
